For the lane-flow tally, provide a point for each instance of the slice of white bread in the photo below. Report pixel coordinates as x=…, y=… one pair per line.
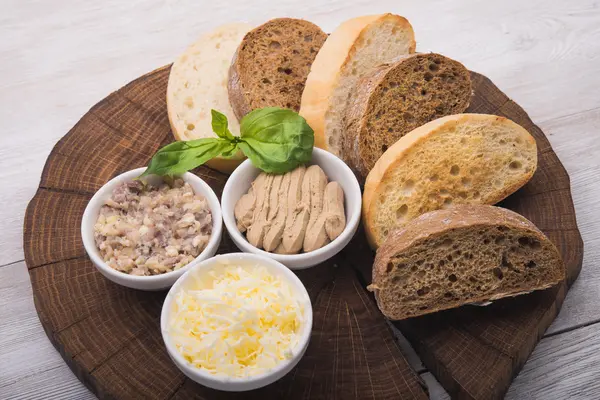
x=352, y=50
x=198, y=83
x=463, y=158
x=465, y=254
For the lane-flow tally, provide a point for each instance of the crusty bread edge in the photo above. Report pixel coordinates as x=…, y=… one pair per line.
x=355, y=120
x=238, y=101
x=337, y=50
x=392, y=156
x=354, y=117
x=417, y=230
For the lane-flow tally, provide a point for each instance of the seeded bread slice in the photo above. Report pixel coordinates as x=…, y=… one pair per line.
x=463, y=158
x=397, y=98
x=351, y=51
x=271, y=64
x=466, y=254
x=198, y=83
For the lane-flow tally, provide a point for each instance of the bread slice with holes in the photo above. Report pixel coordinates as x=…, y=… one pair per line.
x=198, y=83
x=465, y=254
x=463, y=158
x=397, y=98
x=271, y=65
x=351, y=51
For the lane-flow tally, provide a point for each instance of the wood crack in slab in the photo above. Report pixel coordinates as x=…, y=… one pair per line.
x=58, y=190
x=116, y=352
x=57, y=262
x=178, y=388
x=72, y=324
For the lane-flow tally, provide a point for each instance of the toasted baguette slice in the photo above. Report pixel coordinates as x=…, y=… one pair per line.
x=396, y=98
x=466, y=254
x=352, y=50
x=464, y=158
x=271, y=65
x=198, y=83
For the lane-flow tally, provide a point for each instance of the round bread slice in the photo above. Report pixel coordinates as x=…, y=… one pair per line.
x=198, y=83
x=463, y=158
x=351, y=51
x=271, y=64
x=465, y=254
x=397, y=98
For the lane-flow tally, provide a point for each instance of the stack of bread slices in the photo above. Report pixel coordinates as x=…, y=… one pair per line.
x=431, y=172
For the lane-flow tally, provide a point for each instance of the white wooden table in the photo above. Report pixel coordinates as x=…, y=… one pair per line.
x=60, y=57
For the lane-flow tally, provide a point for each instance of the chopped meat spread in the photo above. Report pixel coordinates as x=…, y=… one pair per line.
x=149, y=230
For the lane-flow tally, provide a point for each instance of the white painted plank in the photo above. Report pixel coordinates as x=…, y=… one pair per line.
x=565, y=366
x=576, y=140
x=54, y=384
x=30, y=367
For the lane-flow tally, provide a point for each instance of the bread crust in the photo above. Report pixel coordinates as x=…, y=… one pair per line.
x=365, y=96
x=393, y=156
x=237, y=100
x=337, y=51
x=465, y=216
x=355, y=112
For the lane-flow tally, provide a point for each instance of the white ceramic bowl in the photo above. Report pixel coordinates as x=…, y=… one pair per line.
x=155, y=282
x=336, y=170
x=238, y=384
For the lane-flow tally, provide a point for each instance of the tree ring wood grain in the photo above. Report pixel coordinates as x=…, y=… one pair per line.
x=110, y=336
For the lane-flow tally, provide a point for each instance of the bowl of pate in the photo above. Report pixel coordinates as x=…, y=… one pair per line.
x=300, y=218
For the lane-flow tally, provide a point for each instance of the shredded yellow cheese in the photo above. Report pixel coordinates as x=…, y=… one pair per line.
x=237, y=321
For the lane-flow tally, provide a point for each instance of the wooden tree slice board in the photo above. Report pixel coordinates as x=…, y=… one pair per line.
x=110, y=335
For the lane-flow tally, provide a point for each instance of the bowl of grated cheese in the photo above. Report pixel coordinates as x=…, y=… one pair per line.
x=237, y=322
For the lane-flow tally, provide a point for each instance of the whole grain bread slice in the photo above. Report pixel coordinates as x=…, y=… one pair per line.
x=397, y=98
x=271, y=64
x=458, y=159
x=465, y=254
x=352, y=50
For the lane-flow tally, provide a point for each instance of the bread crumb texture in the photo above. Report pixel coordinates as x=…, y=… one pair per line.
x=273, y=62
x=469, y=158
x=198, y=83
x=467, y=254
x=380, y=42
x=409, y=93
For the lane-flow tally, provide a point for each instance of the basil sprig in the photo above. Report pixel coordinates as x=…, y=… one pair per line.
x=276, y=140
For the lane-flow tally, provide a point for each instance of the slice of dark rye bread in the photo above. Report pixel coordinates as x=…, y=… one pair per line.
x=270, y=66
x=395, y=99
x=465, y=254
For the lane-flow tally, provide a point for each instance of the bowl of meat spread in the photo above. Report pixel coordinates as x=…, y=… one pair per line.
x=146, y=233
x=300, y=218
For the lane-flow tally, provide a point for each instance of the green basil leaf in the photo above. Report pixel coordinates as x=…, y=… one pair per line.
x=220, y=125
x=276, y=140
x=232, y=152
x=179, y=157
